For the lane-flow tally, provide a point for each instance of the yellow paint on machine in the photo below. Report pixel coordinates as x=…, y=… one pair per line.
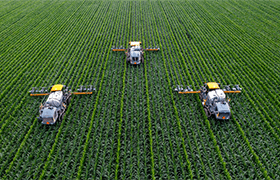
x=57, y=87
x=213, y=85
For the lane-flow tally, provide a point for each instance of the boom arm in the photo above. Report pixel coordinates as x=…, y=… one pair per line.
x=84, y=90
x=118, y=49
x=42, y=94
x=189, y=92
x=88, y=89
x=152, y=49
x=39, y=92
x=79, y=93
x=235, y=89
x=232, y=91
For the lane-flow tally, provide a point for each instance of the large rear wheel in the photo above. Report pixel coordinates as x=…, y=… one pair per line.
x=207, y=112
x=68, y=100
x=201, y=96
x=61, y=117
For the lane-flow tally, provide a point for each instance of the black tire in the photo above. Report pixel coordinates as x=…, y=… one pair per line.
x=61, y=117
x=68, y=100
x=200, y=97
x=207, y=112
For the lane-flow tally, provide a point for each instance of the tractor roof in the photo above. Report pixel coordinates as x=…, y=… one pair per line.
x=135, y=43
x=135, y=54
x=57, y=87
x=213, y=85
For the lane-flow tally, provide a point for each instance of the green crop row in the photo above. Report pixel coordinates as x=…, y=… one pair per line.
x=26, y=24
x=36, y=38
x=18, y=81
x=259, y=11
x=207, y=122
x=36, y=108
x=253, y=95
x=175, y=109
x=23, y=101
x=41, y=78
x=207, y=77
x=56, y=139
x=109, y=44
x=121, y=116
x=72, y=172
x=134, y=126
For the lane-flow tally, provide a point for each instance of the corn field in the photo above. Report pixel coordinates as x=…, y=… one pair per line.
x=135, y=126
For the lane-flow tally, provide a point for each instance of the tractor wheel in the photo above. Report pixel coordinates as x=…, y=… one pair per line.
x=68, y=100
x=207, y=112
x=200, y=96
x=61, y=117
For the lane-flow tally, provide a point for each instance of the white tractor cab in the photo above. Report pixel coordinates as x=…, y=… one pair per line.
x=213, y=98
x=58, y=100
x=216, y=103
x=134, y=53
x=54, y=108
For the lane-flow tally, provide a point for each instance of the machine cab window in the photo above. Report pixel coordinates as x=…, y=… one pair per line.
x=137, y=48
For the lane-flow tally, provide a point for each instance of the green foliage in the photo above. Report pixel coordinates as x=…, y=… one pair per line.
x=135, y=126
